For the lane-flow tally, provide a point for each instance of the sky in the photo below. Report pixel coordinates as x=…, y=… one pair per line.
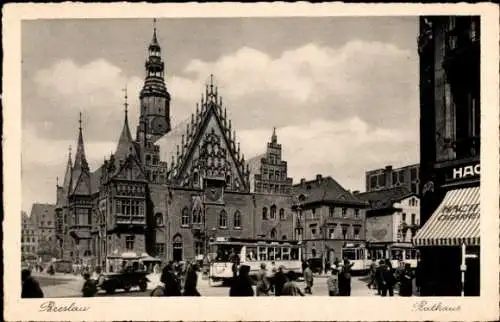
x=341, y=91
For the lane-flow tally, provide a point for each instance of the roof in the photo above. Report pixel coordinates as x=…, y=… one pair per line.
x=95, y=180
x=169, y=142
x=255, y=162
x=325, y=190
x=39, y=209
x=385, y=198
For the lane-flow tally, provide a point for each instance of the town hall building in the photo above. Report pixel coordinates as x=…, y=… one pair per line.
x=169, y=190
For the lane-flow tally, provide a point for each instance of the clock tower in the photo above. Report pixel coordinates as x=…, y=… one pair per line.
x=154, y=97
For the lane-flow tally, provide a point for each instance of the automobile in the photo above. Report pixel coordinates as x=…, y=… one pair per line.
x=125, y=279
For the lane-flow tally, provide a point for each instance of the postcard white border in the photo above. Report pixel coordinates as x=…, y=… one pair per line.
x=212, y=308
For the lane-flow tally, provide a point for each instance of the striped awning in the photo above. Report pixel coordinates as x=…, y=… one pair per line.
x=455, y=221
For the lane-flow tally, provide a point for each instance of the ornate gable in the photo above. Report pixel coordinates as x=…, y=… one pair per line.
x=130, y=169
x=208, y=148
x=82, y=185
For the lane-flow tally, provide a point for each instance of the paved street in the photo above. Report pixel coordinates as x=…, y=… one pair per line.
x=71, y=287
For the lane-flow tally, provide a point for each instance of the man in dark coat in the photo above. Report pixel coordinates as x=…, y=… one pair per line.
x=345, y=278
x=242, y=285
x=190, y=286
x=406, y=281
x=30, y=286
x=169, y=279
x=279, y=281
x=379, y=277
x=388, y=279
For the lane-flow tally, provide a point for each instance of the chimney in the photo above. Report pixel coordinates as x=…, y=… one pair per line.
x=388, y=168
x=302, y=180
x=355, y=192
x=319, y=177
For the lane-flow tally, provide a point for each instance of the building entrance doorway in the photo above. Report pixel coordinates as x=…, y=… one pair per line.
x=177, y=249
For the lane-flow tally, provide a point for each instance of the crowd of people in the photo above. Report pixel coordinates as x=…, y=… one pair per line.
x=385, y=278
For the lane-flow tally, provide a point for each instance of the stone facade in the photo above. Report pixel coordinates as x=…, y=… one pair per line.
x=167, y=192
x=326, y=218
x=29, y=231
x=388, y=177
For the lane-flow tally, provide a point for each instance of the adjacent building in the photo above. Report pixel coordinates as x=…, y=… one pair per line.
x=42, y=217
x=392, y=220
x=449, y=49
x=327, y=217
x=28, y=238
x=388, y=177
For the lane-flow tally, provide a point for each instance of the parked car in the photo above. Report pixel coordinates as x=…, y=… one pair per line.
x=126, y=279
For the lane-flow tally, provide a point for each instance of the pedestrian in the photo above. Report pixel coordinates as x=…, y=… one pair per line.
x=170, y=281
x=263, y=285
x=89, y=288
x=345, y=278
x=241, y=284
x=234, y=259
x=30, y=287
x=290, y=288
x=406, y=281
x=333, y=282
x=373, y=273
x=279, y=281
x=379, y=277
x=191, y=281
x=388, y=279
x=419, y=276
x=309, y=279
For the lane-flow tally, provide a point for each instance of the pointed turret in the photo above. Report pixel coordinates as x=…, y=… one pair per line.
x=80, y=167
x=67, y=175
x=125, y=143
x=80, y=159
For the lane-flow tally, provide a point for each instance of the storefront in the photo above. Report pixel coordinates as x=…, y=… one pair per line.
x=449, y=243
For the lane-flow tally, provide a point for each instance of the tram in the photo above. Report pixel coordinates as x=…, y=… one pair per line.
x=252, y=252
x=357, y=255
x=396, y=255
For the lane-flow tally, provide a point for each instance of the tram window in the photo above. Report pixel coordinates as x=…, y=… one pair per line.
x=277, y=254
x=349, y=254
x=251, y=253
x=262, y=253
x=270, y=253
x=294, y=253
x=285, y=253
x=395, y=254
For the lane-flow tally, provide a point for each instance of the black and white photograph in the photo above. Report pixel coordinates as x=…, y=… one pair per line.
x=322, y=156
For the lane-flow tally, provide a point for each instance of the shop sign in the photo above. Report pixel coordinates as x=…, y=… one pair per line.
x=459, y=212
x=464, y=172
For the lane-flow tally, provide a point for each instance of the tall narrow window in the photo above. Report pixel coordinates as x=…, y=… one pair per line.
x=413, y=219
x=344, y=212
x=237, y=219
x=223, y=219
x=331, y=211
x=344, y=232
x=185, y=217
x=282, y=214
x=273, y=233
x=264, y=213
x=273, y=212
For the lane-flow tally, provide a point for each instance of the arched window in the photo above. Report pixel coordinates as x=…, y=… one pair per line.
x=273, y=212
x=228, y=180
x=264, y=213
x=282, y=214
x=159, y=219
x=223, y=219
x=196, y=178
x=273, y=233
x=197, y=216
x=185, y=217
x=237, y=219
x=403, y=217
x=284, y=237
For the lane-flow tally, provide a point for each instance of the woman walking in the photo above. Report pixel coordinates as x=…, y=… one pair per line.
x=191, y=280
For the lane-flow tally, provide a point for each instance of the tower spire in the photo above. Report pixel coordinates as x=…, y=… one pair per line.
x=67, y=174
x=274, y=137
x=125, y=144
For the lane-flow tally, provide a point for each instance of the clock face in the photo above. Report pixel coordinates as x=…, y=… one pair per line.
x=213, y=193
x=158, y=124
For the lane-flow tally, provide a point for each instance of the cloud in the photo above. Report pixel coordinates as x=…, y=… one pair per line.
x=95, y=88
x=375, y=81
x=341, y=148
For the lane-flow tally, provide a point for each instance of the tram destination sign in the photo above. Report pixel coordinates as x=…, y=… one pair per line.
x=463, y=172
